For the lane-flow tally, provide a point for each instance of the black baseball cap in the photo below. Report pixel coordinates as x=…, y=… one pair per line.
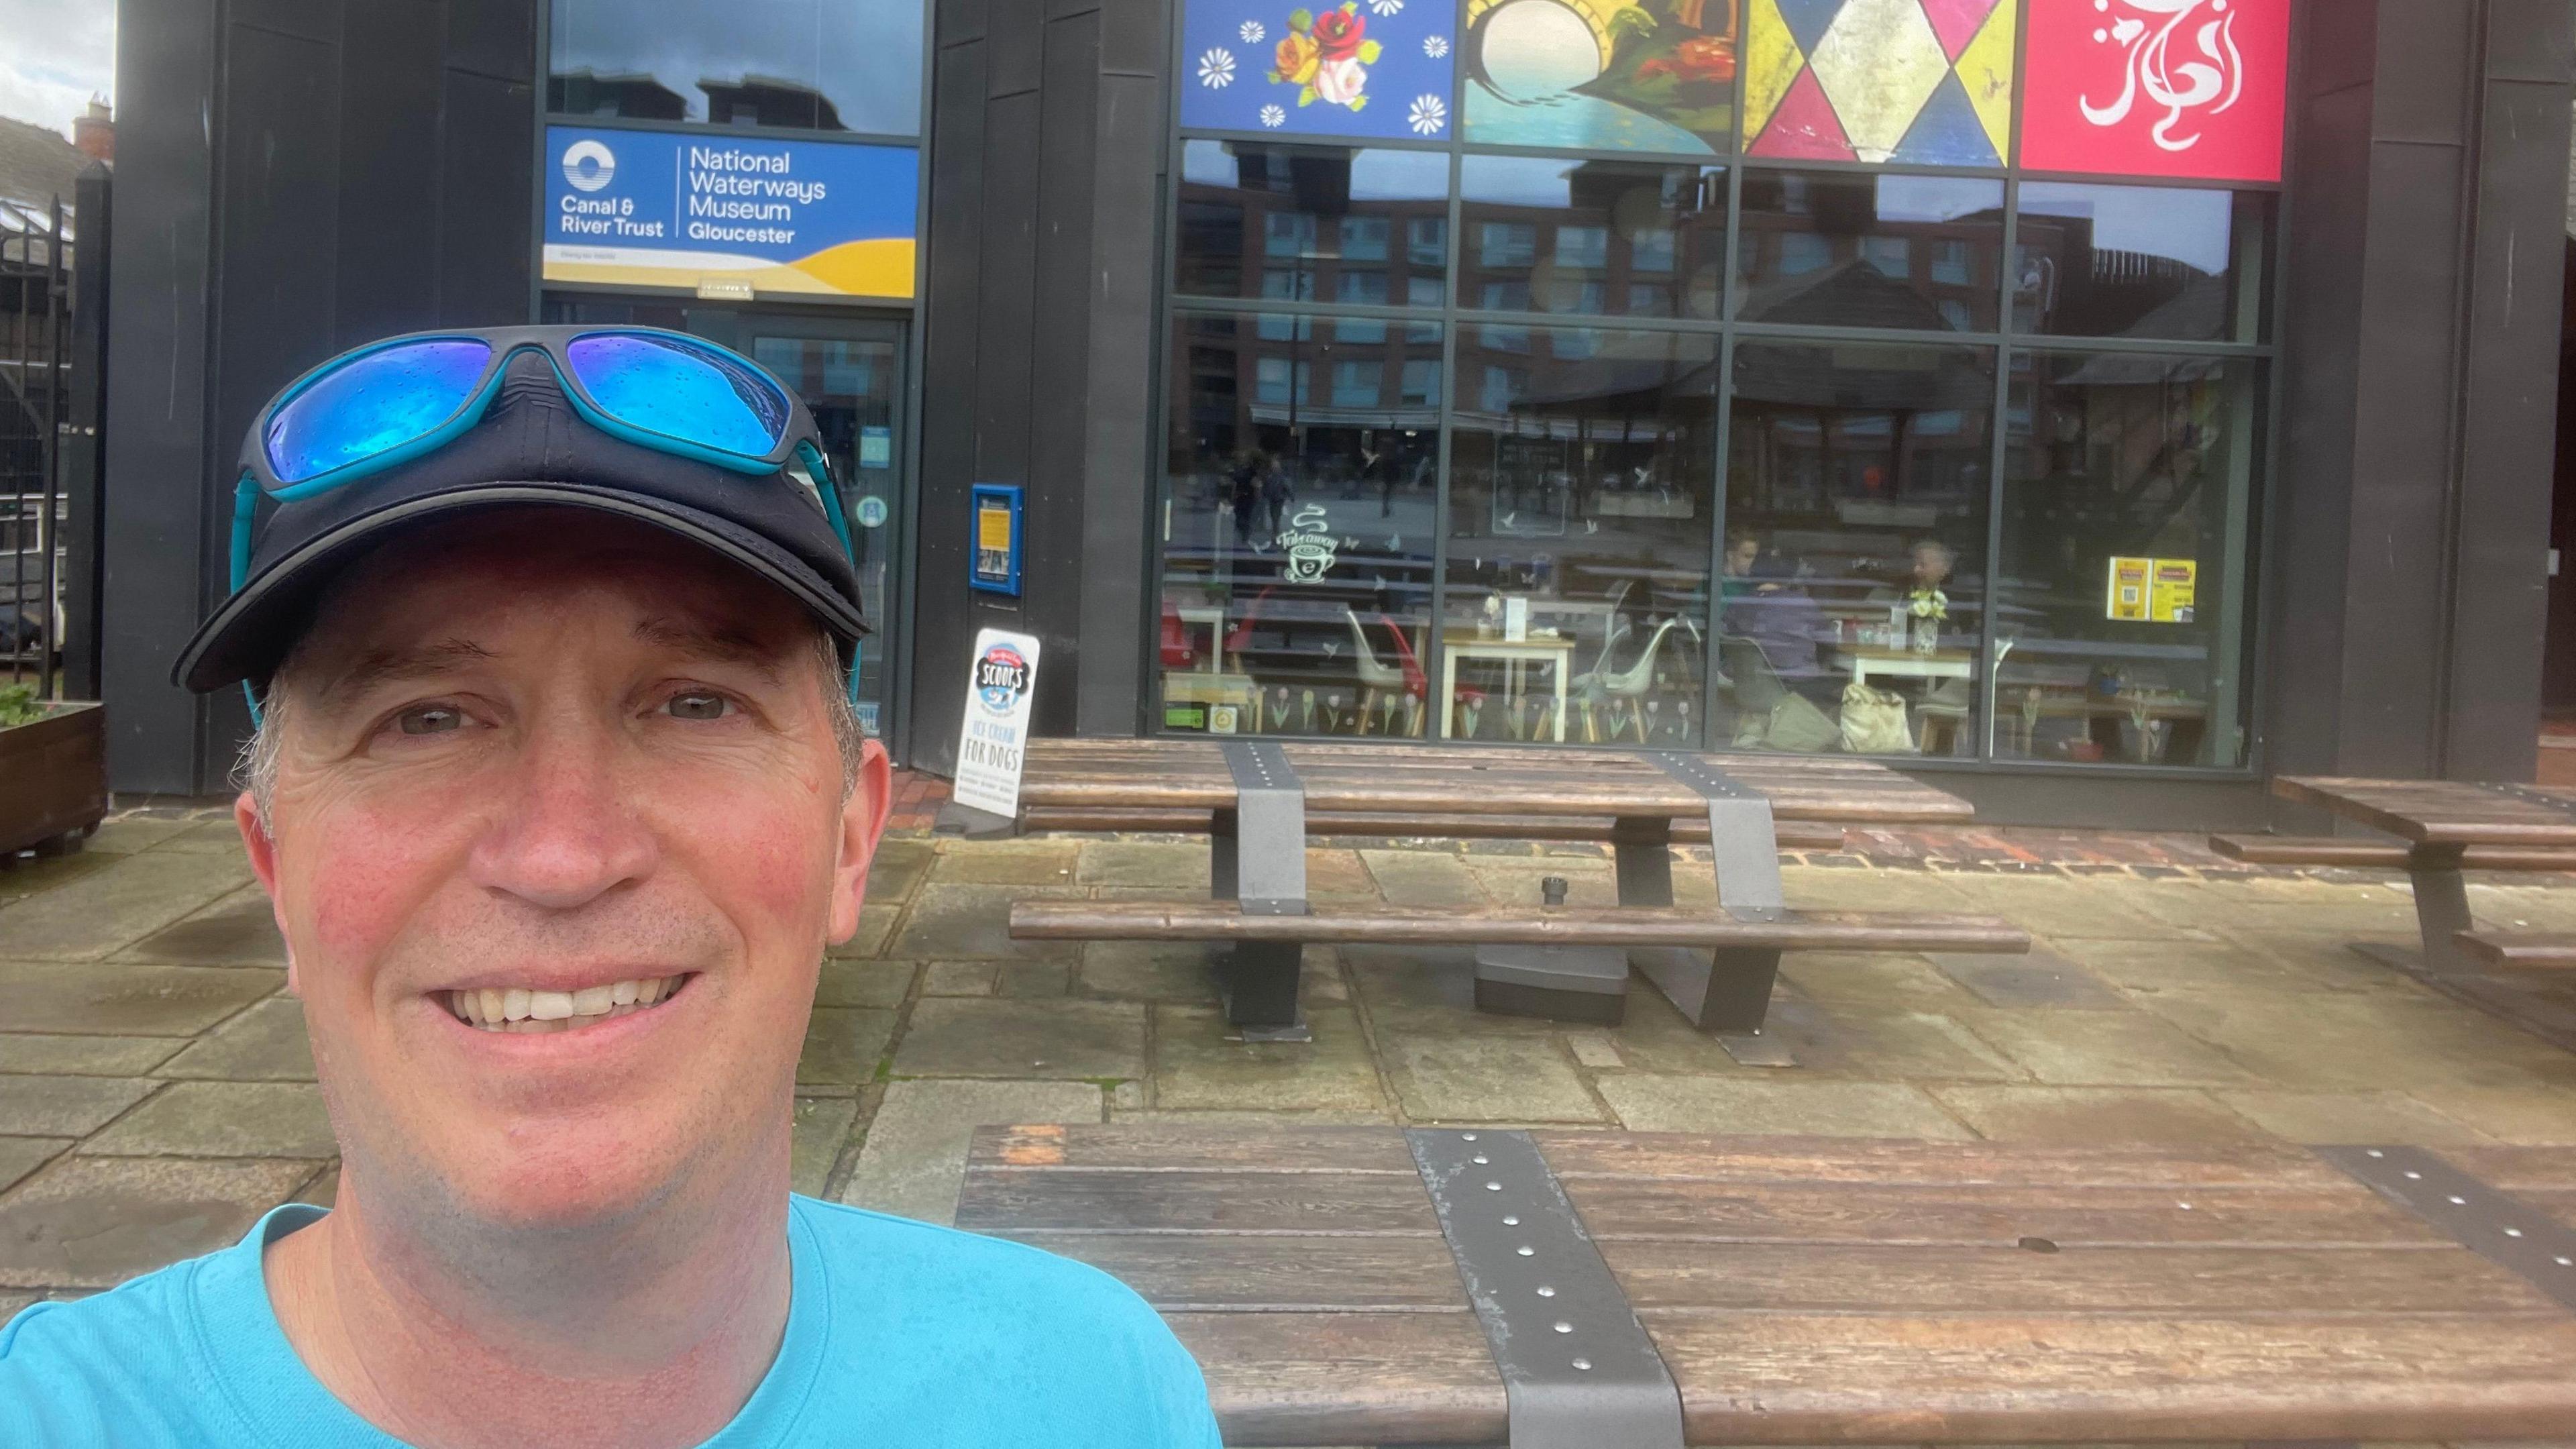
x=530, y=448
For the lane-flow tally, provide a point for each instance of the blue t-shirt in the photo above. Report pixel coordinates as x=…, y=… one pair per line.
x=898, y=1334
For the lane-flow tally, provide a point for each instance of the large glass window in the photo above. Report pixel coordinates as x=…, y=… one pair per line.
x=1313, y=223
x=1850, y=249
x=2121, y=608
x=1581, y=485
x=1857, y=479
x=2162, y=262
x=809, y=64
x=1302, y=473
x=1554, y=235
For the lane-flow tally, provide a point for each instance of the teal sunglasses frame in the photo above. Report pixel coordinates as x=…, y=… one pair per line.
x=799, y=444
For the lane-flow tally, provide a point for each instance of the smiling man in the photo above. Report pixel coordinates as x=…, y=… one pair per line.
x=559, y=796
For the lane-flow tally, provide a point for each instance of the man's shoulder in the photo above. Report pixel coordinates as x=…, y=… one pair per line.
x=1000, y=1331
x=117, y=1359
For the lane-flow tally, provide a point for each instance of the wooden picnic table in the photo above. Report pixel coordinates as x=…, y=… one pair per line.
x=1770, y=1290
x=2510, y=826
x=1261, y=801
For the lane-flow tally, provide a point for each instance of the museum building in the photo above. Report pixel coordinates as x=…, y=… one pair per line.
x=2098, y=404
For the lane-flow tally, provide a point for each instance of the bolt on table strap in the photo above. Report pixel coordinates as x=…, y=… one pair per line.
x=1269, y=836
x=2532, y=795
x=1578, y=1369
x=1742, y=840
x=2490, y=1223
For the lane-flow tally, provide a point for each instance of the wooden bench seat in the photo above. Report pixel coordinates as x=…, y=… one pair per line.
x=1791, y=834
x=2379, y=854
x=1078, y=920
x=2520, y=949
x=1825, y=1291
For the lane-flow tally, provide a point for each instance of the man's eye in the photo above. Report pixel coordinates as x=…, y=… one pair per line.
x=430, y=719
x=698, y=704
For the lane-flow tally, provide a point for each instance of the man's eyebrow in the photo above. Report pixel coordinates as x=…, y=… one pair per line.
x=390, y=665
x=720, y=643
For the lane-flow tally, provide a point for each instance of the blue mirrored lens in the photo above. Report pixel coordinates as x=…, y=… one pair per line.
x=697, y=394
x=371, y=405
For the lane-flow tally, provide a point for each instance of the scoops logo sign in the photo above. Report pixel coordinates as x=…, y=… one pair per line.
x=2181, y=88
x=1001, y=677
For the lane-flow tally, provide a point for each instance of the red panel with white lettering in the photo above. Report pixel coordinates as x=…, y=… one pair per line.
x=2184, y=88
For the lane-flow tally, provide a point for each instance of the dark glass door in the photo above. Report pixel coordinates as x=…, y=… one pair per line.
x=851, y=374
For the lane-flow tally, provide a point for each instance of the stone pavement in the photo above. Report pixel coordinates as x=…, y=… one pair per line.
x=156, y=1088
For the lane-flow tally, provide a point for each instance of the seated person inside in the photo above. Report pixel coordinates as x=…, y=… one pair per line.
x=1763, y=602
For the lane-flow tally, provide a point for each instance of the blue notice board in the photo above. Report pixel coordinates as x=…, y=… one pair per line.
x=993, y=564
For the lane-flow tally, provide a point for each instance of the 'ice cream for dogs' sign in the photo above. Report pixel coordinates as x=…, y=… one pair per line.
x=993, y=742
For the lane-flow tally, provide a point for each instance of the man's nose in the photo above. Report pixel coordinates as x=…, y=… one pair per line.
x=569, y=834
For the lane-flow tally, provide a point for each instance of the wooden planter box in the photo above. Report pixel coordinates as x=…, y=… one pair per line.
x=53, y=777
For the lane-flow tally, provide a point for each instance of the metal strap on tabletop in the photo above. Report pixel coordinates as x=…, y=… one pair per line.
x=2532, y=795
x=2489, y=1223
x=1578, y=1370
x=1268, y=842
x=1741, y=837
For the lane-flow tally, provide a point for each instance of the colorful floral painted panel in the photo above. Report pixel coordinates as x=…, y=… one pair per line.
x=1367, y=68
x=1594, y=75
x=1913, y=82
x=2190, y=88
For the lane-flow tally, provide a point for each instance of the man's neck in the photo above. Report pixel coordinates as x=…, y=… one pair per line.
x=649, y=1337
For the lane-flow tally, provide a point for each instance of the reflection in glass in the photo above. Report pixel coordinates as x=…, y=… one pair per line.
x=1313, y=223
x=2139, y=261
x=1855, y=513
x=1300, y=484
x=2127, y=489
x=810, y=64
x=1851, y=249
x=1582, y=473
x=1553, y=235
x=1656, y=76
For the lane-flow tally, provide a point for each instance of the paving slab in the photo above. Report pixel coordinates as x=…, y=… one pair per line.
x=224, y=1119
x=1478, y=1078
x=1874, y=979
x=968, y=1037
x=914, y=1158
x=65, y=1106
x=1338, y=874
x=1172, y=971
x=1595, y=1049
x=93, y=1222
x=1813, y=888
x=864, y=983
x=218, y=836
x=897, y=868
x=2532, y=1117
x=972, y=922
x=2369, y=1042
x=822, y=1126
x=2348, y=1117
x=1514, y=886
x=843, y=1045
x=961, y=978
x=2127, y=1048
x=1007, y=862
x=1423, y=878
x=108, y=999
x=1771, y=1104
x=1033, y=980
x=2065, y=909
x=129, y=834
x=875, y=932
x=2087, y=1116
x=2041, y=980
x=240, y=929
x=324, y=1190
x=22, y=1155
x=85, y=1056
x=104, y=910
x=267, y=1043
x=1844, y=1039
x=23, y=876
x=1156, y=864
x=1196, y=1067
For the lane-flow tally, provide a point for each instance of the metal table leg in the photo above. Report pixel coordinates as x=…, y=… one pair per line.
x=1258, y=860
x=2441, y=912
x=1726, y=992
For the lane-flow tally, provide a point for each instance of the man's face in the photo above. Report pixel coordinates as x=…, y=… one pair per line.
x=1740, y=556
x=1931, y=564
x=564, y=764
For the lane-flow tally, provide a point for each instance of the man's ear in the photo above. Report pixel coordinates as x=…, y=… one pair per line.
x=863, y=821
x=263, y=863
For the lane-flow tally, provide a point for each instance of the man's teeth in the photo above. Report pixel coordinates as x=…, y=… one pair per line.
x=520, y=1010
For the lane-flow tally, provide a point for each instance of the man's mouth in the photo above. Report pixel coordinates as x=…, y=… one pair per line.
x=517, y=1009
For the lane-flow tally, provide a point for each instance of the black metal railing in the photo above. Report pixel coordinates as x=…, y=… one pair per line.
x=40, y=261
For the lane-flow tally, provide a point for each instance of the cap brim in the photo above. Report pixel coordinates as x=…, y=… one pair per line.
x=250, y=633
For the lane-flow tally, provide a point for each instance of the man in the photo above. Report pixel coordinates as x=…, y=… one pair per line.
x=559, y=796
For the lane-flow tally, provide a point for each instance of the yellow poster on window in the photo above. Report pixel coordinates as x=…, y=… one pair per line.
x=2126, y=595
x=2170, y=601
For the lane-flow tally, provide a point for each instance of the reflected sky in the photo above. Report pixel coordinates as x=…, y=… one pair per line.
x=864, y=58
x=2190, y=227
